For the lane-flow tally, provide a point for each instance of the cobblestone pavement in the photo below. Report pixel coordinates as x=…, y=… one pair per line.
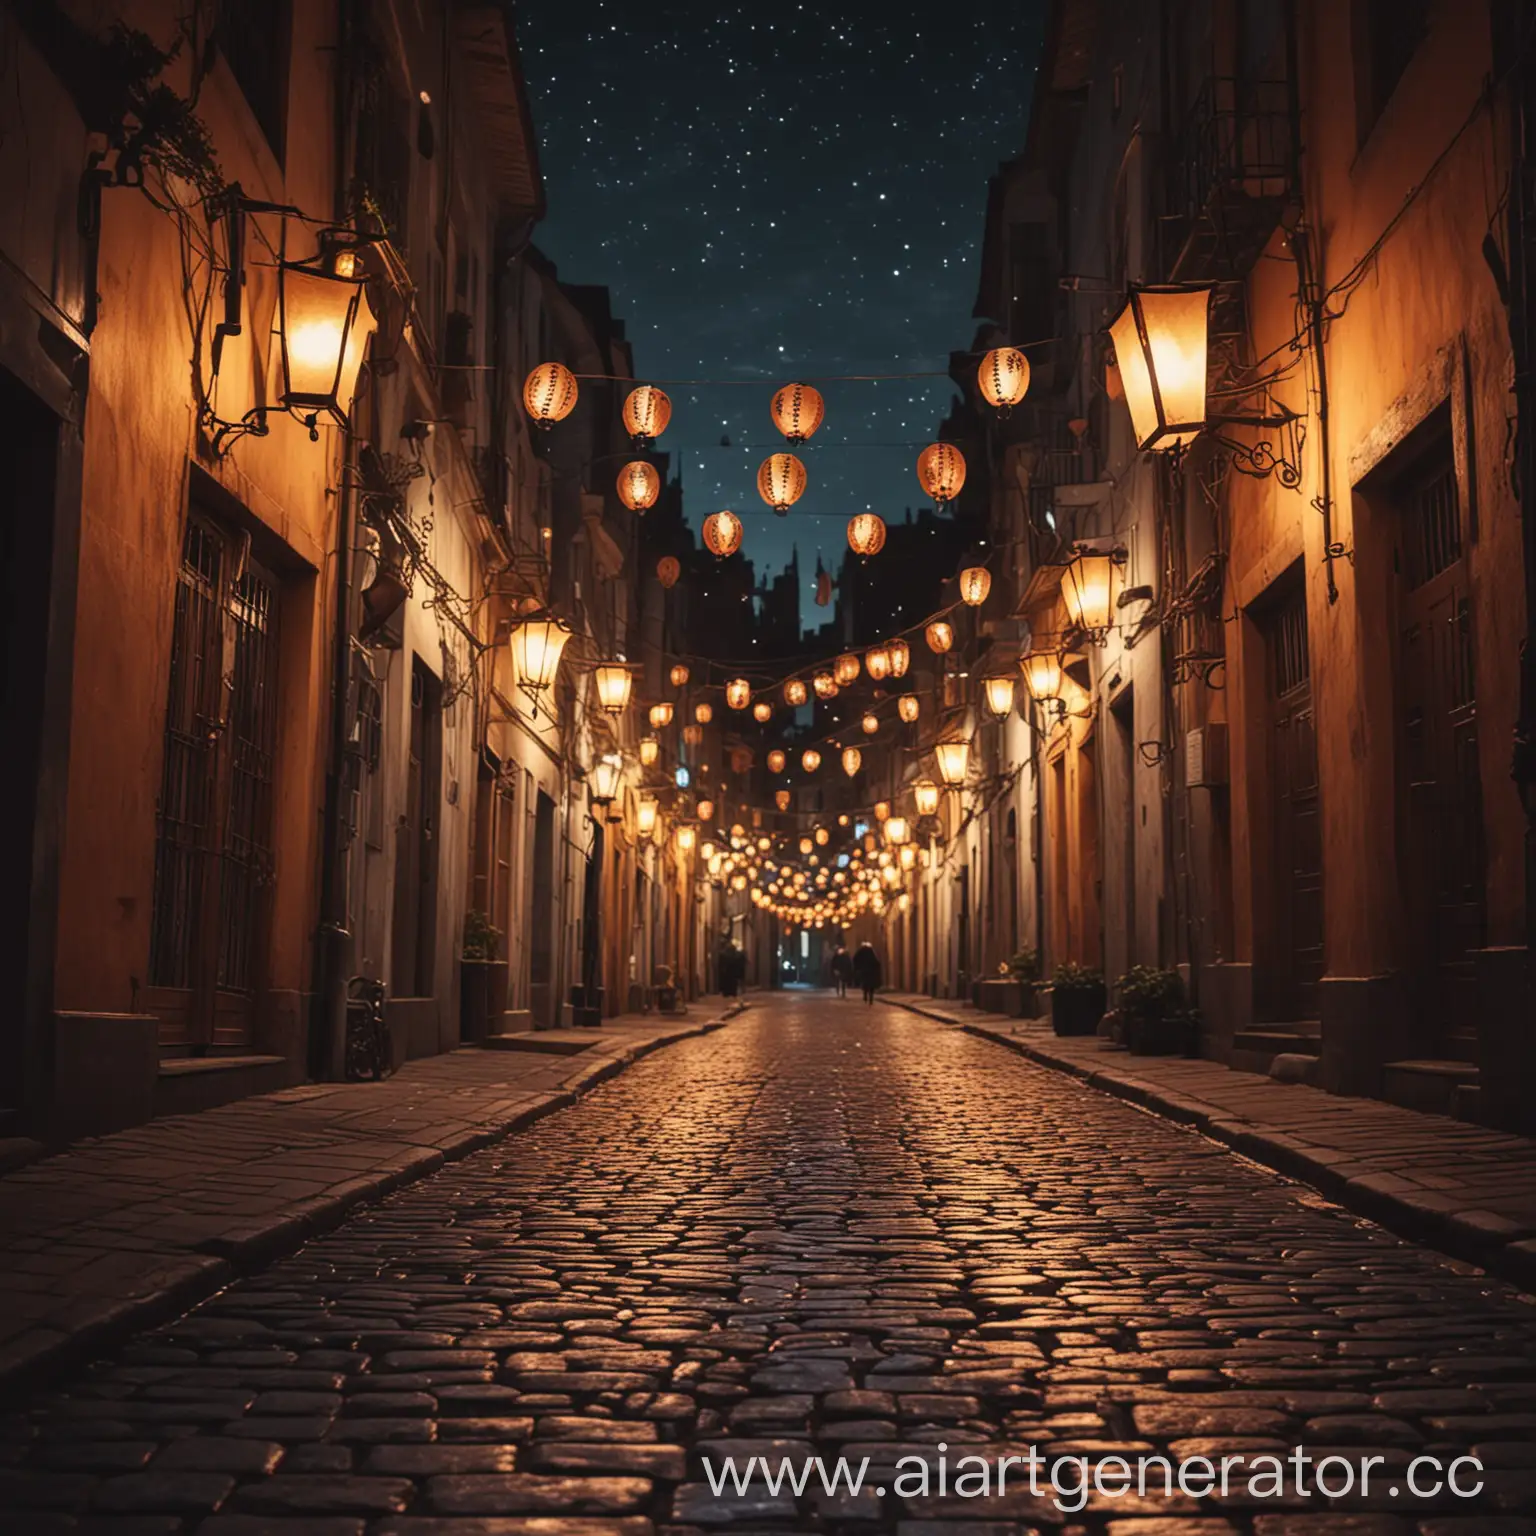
x=828, y=1229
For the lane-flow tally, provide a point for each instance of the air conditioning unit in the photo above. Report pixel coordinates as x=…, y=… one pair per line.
x=1205, y=756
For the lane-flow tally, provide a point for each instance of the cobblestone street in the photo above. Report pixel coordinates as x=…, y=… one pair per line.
x=825, y=1230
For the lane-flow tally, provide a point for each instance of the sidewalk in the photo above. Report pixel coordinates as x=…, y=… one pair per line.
x=121, y=1232
x=1461, y=1188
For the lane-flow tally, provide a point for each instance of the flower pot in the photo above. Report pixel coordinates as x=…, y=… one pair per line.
x=1160, y=1035
x=1077, y=1010
x=474, y=999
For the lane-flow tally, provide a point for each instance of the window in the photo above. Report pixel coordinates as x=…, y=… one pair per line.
x=1387, y=34
x=255, y=37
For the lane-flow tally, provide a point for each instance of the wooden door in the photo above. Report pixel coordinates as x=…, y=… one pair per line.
x=1289, y=989
x=213, y=854
x=1439, y=794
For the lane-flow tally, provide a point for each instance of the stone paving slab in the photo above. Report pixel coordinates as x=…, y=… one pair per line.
x=119, y=1232
x=1463, y=1188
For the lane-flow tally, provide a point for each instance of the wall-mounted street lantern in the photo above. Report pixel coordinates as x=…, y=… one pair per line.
x=952, y=758
x=646, y=811
x=1042, y=675
x=650, y=751
x=896, y=830
x=537, y=645
x=1090, y=589
x=604, y=778
x=660, y=715
x=998, y=691
x=615, y=682
x=1162, y=349
x=925, y=797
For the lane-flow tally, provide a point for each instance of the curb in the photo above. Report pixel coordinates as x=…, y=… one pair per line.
x=181, y=1281
x=1481, y=1238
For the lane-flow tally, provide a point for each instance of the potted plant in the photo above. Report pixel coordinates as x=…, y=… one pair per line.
x=1077, y=999
x=1153, y=1014
x=1025, y=969
x=482, y=978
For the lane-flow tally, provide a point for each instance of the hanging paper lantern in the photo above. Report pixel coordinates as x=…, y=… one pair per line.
x=940, y=636
x=661, y=715
x=703, y=713
x=693, y=735
x=846, y=669
x=882, y=809
x=1003, y=377
x=901, y=657
x=706, y=810
x=781, y=481
x=908, y=707
x=646, y=413
x=852, y=760
x=650, y=751
x=679, y=676
x=810, y=759
x=877, y=662
x=925, y=796
x=639, y=485
x=941, y=471
x=975, y=583
x=823, y=837
x=722, y=533
x=781, y=799
x=794, y=692
x=549, y=393
x=797, y=411
x=776, y=761
x=871, y=724
x=668, y=570
x=738, y=693
x=806, y=845
x=762, y=711
x=825, y=685
x=866, y=534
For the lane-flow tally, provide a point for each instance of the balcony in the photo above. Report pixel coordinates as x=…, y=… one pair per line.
x=1232, y=175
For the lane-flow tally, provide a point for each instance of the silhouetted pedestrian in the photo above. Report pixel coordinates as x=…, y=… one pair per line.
x=842, y=970
x=866, y=969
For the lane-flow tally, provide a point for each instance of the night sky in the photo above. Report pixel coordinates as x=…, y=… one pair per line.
x=779, y=192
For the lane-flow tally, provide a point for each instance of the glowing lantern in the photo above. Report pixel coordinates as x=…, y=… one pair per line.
x=660, y=715
x=614, y=683
x=1160, y=342
x=882, y=810
x=852, y=760
x=1003, y=377
x=795, y=692
x=738, y=693
x=537, y=645
x=650, y=751
x=781, y=481
x=925, y=797
x=686, y=838
x=549, y=393
x=825, y=685
x=693, y=735
x=1042, y=675
x=896, y=830
x=810, y=759
x=781, y=799
x=706, y=810
x=722, y=533
x=703, y=713
x=866, y=534
x=646, y=414
x=940, y=636
x=806, y=845
x=877, y=662
x=901, y=657
x=797, y=411
x=762, y=711
x=941, y=471
x=603, y=781
x=823, y=837
x=326, y=323
x=776, y=761
x=846, y=669
x=908, y=707
x=738, y=882
x=999, y=694
x=1091, y=590
x=679, y=676
x=975, y=583
x=871, y=724
x=639, y=485
x=907, y=855
x=682, y=778
x=953, y=757
x=645, y=815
